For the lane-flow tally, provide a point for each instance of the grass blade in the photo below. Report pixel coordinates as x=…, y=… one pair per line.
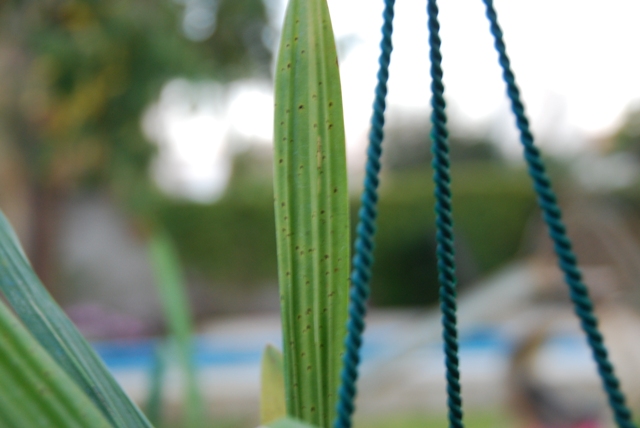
x=153, y=406
x=171, y=287
x=311, y=204
x=57, y=334
x=36, y=392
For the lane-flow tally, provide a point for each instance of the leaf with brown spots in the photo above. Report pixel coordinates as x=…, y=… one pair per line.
x=311, y=179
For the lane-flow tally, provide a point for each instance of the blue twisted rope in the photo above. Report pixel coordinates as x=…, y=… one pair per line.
x=444, y=221
x=363, y=258
x=553, y=217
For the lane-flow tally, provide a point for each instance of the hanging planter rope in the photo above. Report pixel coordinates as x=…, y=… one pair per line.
x=363, y=258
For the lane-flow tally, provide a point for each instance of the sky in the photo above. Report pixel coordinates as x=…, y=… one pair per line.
x=575, y=61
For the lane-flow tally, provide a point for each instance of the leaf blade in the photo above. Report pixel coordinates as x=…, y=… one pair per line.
x=311, y=204
x=36, y=392
x=56, y=333
x=171, y=288
x=272, y=402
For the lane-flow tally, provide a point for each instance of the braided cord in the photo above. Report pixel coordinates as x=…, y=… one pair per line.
x=363, y=258
x=567, y=261
x=444, y=221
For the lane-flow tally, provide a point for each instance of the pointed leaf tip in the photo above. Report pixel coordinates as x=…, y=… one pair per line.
x=272, y=403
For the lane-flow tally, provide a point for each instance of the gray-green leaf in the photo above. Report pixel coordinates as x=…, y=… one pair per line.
x=57, y=334
x=35, y=391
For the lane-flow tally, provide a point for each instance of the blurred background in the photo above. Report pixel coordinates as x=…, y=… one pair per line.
x=118, y=118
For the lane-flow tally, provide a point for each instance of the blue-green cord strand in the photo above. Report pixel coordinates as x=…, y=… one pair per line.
x=566, y=258
x=444, y=221
x=363, y=257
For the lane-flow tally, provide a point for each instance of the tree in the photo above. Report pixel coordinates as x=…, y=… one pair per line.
x=627, y=137
x=81, y=73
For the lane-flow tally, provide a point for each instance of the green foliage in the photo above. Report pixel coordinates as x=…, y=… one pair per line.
x=627, y=137
x=406, y=144
x=220, y=239
x=153, y=405
x=88, y=69
x=36, y=392
x=172, y=291
x=236, y=48
x=492, y=206
x=55, y=333
x=272, y=405
x=311, y=205
x=59, y=377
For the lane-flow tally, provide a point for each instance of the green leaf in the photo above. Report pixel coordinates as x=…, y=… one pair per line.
x=171, y=287
x=272, y=406
x=311, y=207
x=153, y=406
x=36, y=392
x=289, y=423
x=57, y=334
